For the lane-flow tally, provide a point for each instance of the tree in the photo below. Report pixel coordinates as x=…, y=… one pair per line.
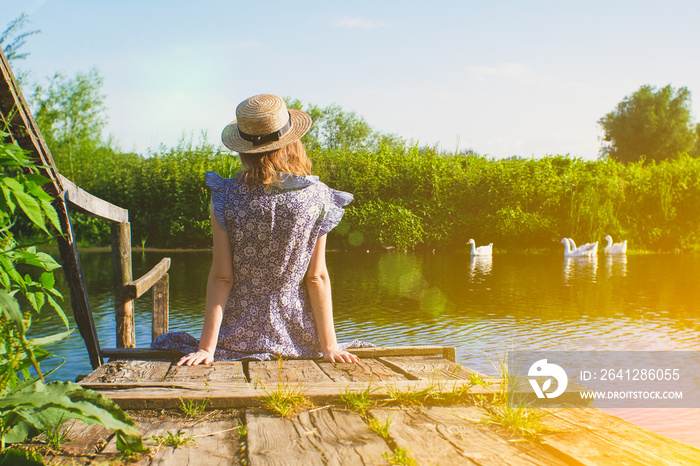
x=649, y=123
x=12, y=39
x=71, y=116
x=696, y=150
x=334, y=128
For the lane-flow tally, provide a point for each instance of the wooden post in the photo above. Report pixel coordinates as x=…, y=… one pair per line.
x=449, y=353
x=76, y=283
x=161, y=304
x=123, y=301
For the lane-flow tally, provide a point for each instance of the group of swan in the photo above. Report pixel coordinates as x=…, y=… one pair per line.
x=591, y=249
x=570, y=249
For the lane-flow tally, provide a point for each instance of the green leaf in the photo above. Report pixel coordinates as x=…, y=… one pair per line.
x=13, y=184
x=23, y=425
x=59, y=310
x=38, y=259
x=55, y=292
x=36, y=299
x=4, y=278
x=47, y=280
x=39, y=194
x=9, y=267
x=14, y=457
x=50, y=339
x=37, y=179
x=48, y=262
x=51, y=214
x=10, y=308
x=7, y=204
x=129, y=444
x=31, y=208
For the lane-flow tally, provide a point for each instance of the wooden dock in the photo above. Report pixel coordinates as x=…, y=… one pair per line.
x=426, y=409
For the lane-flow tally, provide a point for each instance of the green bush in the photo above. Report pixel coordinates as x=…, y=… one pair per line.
x=381, y=224
x=414, y=197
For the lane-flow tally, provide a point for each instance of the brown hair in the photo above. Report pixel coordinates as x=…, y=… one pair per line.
x=260, y=169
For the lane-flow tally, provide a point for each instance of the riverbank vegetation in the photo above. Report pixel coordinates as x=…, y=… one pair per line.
x=407, y=196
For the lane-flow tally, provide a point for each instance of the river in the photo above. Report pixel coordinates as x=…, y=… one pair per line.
x=483, y=307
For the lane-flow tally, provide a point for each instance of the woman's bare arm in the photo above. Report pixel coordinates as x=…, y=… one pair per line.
x=218, y=288
x=318, y=285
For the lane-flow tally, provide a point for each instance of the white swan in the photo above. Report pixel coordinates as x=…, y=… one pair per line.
x=481, y=250
x=591, y=249
x=616, y=248
x=568, y=252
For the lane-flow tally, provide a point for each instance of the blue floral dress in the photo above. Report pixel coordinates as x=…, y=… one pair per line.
x=273, y=233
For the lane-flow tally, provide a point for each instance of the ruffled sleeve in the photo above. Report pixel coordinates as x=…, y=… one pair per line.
x=334, y=211
x=217, y=186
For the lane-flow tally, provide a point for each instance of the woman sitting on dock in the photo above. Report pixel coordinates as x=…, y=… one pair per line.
x=268, y=292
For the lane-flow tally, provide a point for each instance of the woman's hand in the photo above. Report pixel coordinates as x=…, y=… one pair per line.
x=338, y=355
x=193, y=359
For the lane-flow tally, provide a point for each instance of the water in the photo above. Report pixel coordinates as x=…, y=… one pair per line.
x=481, y=306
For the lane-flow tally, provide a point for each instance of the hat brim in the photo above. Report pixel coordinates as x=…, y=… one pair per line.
x=300, y=124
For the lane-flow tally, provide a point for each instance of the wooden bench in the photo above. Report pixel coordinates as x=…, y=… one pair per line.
x=16, y=115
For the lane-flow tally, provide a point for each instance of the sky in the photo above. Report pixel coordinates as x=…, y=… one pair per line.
x=503, y=78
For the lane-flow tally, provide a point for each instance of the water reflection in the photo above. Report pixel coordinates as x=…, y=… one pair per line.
x=480, y=266
x=616, y=266
x=580, y=269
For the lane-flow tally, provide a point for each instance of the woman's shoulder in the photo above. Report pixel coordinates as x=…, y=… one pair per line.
x=340, y=198
x=290, y=181
x=218, y=183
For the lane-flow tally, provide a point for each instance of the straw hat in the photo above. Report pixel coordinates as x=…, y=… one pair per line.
x=264, y=123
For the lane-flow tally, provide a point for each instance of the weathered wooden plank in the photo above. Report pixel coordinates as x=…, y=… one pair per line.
x=419, y=439
x=430, y=367
x=161, y=307
x=82, y=444
x=342, y=437
x=86, y=440
x=322, y=436
x=140, y=353
x=223, y=371
x=376, y=352
x=485, y=445
x=594, y=437
x=100, y=375
x=166, y=395
x=290, y=370
x=277, y=441
x=367, y=370
x=139, y=286
x=216, y=443
x=93, y=204
x=454, y=435
x=228, y=371
x=116, y=372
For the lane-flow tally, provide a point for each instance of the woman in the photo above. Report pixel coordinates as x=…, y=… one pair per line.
x=268, y=292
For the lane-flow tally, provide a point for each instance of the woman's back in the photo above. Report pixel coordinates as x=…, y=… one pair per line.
x=268, y=292
x=273, y=230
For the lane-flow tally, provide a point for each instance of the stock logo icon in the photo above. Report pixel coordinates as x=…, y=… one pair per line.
x=542, y=369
